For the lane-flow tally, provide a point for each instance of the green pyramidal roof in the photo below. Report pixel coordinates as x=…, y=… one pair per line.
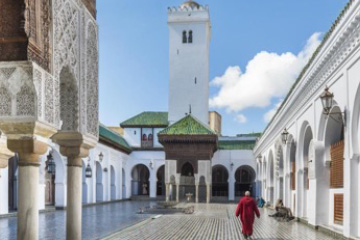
x=147, y=119
x=188, y=125
x=113, y=138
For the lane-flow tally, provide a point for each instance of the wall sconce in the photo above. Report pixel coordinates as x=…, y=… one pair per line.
x=284, y=136
x=151, y=164
x=231, y=165
x=105, y=169
x=101, y=156
x=327, y=101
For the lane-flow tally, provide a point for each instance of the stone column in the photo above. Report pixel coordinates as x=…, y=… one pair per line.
x=197, y=193
x=74, y=201
x=231, y=187
x=153, y=182
x=208, y=192
x=29, y=151
x=177, y=192
x=75, y=147
x=167, y=191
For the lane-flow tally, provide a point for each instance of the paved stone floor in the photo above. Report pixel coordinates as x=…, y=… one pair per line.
x=216, y=222
x=98, y=221
x=120, y=221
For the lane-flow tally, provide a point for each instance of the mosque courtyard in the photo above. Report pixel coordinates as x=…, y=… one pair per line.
x=121, y=221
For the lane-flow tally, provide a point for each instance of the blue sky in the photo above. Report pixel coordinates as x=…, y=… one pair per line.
x=257, y=49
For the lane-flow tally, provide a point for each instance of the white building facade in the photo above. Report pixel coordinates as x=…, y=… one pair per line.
x=132, y=164
x=316, y=170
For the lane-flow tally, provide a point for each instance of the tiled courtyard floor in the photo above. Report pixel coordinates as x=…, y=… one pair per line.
x=208, y=222
x=98, y=221
x=216, y=222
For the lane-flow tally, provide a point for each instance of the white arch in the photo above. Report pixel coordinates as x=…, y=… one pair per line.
x=270, y=177
x=123, y=184
x=305, y=137
x=113, y=182
x=99, y=183
x=330, y=132
x=84, y=184
x=60, y=178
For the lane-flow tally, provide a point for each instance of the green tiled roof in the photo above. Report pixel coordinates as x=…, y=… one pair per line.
x=236, y=145
x=113, y=138
x=147, y=119
x=188, y=125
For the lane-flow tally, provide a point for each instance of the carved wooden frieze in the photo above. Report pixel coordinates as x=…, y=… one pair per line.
x=13, y=39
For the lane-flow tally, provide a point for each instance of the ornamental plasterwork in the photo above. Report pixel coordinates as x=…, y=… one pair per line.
x=17, y=96
x=22, y=92
x=322, y=69
x=66, y=37
x=78, y=101
x=92, y=125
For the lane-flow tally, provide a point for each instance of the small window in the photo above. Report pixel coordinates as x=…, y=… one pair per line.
x=190, y=37
x=144, y=137
x=150, y=137
x=184, y=39
x=195, y=81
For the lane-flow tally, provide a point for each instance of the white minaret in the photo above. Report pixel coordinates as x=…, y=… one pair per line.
x=189, y=37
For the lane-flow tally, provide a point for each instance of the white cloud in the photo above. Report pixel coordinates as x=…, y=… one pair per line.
x=269, y=114
x=241, y=118
x=267, y=75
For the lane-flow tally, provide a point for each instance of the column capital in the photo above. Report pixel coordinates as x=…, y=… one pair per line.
x=29, y=150
x=74, y=146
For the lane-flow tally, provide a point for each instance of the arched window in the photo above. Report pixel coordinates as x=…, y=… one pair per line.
x=150, y=137
x=144, y=137
x=190, y=37
x=184, y=38
x=187, y=170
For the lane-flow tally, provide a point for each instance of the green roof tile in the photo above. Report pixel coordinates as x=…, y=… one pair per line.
x=147, y=119
x=188, y=125
x=236, y=145
x=113, y=138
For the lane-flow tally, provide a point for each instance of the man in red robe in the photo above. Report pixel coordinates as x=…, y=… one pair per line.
x=246, y=210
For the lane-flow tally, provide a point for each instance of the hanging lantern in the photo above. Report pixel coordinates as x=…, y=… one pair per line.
x=327, y=100
x=51, y=166
x=284, y=136
x=88, y=171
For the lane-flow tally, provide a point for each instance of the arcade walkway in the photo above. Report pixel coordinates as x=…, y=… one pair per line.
x=216, y=221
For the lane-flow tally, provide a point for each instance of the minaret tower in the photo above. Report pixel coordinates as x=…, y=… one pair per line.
x=189, y=38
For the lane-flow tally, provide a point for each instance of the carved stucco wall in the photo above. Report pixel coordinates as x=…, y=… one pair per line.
x=76, y=49
x=65, y=87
